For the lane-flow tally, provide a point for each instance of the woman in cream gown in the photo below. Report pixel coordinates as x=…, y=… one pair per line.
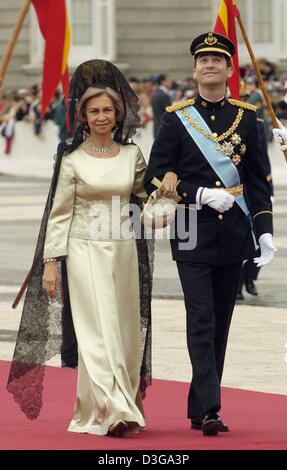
x=96, y=179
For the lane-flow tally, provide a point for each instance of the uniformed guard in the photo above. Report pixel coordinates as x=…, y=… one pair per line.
x=250, y=271
x=208, y=147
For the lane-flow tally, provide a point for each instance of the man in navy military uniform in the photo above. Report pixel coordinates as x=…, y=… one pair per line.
x=207, y=150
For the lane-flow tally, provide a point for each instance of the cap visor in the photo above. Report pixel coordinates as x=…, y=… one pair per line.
x=213, y=49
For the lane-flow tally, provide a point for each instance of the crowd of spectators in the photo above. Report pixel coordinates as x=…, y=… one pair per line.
x=25, y=105
x=181, y=90
x=154, y=93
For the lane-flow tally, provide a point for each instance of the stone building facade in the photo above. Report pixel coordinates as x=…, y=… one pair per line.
x=143, y=36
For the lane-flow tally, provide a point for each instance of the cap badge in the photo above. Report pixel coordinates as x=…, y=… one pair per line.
x=210, y=40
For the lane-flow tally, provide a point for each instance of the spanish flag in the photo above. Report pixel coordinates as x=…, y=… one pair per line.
x=55, y=28
x=225, y=25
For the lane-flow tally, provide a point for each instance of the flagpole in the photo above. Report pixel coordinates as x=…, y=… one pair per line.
x=11, y=44
x=259, y=76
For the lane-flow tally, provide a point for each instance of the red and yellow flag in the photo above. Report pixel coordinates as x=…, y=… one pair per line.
x=55, y=28
x=225, y=25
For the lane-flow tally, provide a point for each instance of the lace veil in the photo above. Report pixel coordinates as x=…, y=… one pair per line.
x=40, y=334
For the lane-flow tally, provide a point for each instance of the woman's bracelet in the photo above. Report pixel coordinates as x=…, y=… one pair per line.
x=49, y=260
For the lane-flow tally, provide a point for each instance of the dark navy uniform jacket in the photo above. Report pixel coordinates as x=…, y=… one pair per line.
x=221, y=238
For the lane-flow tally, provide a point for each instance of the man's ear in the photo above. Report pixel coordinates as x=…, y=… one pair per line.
x=229, y=72
x=194, y=74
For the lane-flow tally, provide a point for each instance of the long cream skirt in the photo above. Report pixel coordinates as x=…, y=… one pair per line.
x=104, y=294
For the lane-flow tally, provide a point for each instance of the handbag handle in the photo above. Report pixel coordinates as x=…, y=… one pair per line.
x=157, y=183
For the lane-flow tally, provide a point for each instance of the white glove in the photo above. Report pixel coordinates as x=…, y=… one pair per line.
x=280, y=136
x=218, y=199
x=267, y=250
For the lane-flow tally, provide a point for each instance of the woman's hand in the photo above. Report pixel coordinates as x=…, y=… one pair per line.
x=168, y=186
x=50, y=279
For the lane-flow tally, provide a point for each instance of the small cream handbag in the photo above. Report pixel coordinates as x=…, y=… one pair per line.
x=159, y=212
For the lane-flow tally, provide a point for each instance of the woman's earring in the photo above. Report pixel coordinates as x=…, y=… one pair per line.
x=86, y=130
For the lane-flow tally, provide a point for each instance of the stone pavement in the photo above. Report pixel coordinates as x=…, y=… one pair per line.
x=257, y=351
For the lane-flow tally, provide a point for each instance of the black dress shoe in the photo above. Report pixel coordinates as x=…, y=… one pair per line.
x=224, y=427
x=196, y=423
x=212, y=424
x=118, y=429
x=250, y=287
x=72, y=365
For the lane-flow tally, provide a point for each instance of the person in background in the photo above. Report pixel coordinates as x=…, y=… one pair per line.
x=250, y=270
x=160, y=100
x=8, y=121
x=58, y=114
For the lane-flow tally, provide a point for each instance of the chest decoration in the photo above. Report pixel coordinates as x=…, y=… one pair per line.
x=233, y=148
x=229, y=143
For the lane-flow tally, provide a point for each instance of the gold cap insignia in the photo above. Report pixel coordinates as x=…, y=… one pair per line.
x=210, y=40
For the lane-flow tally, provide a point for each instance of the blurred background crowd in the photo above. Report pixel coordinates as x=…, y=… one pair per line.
x=154, y=92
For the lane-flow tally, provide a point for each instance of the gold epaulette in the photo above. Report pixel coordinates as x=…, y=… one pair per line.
x=180, y=105
x=243, y=104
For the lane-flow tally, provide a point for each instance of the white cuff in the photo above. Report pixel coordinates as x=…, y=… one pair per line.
x=198, y=194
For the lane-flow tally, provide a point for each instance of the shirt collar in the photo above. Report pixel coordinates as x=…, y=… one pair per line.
x=210, y=105
x=161, y=87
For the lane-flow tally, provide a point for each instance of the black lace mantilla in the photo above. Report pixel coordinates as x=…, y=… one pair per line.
x=40, y=333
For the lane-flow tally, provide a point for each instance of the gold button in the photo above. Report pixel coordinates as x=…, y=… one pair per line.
x=215, y=134
x=212, y=117
x=217, y=183
x=184, y=194
x=220, y=216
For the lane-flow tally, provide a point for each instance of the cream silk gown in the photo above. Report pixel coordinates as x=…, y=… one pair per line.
x=103, y=281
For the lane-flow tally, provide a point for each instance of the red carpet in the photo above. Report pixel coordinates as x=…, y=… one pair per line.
x=257, y=420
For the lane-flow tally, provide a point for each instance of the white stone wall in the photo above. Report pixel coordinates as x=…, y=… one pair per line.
x=154, y=36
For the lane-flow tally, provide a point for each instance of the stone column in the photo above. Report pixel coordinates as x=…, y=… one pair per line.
x=280, y=11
